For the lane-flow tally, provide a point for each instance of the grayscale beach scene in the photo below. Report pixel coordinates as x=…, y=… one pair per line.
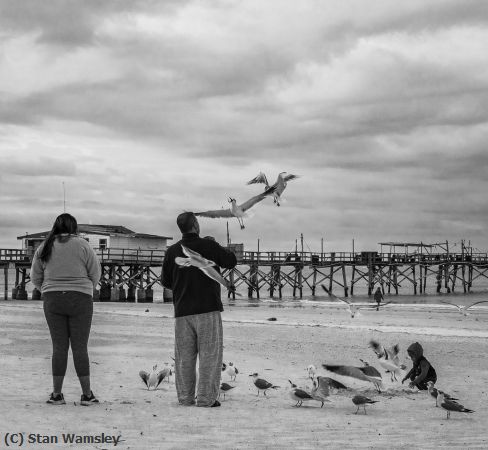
x=243, y=225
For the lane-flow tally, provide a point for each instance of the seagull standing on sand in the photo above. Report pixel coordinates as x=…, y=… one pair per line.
x=388, y=358
x=225, y=388
x=235, y=210
x=311, y=369
x=361, y=400
x=367, y=373
x=279, y=186
x=462, y=308
x=353, y=307
x=450, y=405
x=232, y=371
x=320, y=390
x=435, y=393
x=261, y=384
x=208, y=267
x=154, y=379
x=299, y=395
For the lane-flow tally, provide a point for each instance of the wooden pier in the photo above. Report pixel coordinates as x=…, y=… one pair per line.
x=130, y=275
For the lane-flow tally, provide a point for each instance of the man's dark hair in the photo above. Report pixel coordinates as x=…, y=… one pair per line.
x=186, y=221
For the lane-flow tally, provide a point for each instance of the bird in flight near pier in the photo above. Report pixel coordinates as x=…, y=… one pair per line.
x=353, y=307
x=463, y=309
x=235, y=210
x=207, y=266
x=280, y=184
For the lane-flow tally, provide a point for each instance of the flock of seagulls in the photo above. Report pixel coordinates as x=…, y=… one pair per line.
x=240, y=211
x=323, y=386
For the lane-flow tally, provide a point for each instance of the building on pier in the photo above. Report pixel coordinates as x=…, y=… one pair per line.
x=102, y=237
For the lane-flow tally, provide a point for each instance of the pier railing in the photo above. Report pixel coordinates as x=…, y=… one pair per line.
x=155, y=257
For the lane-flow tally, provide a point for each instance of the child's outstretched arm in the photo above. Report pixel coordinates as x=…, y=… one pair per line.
x=407, y=375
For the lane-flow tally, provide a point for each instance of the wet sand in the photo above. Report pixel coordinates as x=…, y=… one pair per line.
x=126, y=338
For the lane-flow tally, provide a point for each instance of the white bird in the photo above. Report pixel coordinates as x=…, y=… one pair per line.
x=299, y=395
x=311, y=369
x=261, y=384
x=388, y=358
x=207, y=266
x=154, y=379
x=435, y=393
x=450, y=405
x=225, y=388
x=235, y=210
x=320, y=390
x=462, y=308
x=361, y=400
x=280, y=184
x=367, y=373
x=232, y=371
x=353, y=307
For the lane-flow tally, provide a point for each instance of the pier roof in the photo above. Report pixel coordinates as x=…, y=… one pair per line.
x=108, y=230
x=407, y=244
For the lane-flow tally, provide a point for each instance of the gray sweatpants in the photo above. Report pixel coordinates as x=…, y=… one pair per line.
x=198, y=335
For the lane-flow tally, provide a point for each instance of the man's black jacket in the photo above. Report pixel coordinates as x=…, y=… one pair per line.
x=193, y=291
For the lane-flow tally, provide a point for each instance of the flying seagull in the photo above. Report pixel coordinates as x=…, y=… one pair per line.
x=388, y=358
x=462, y=308
x=207, y=266
x=261, y=384
x=450, y=405
x=154, y=379
x=367, y=373
x=235, y=210
x=435, y=393
x=279, y=185
x=299, y=395
x=361, y=400
x=353, y=307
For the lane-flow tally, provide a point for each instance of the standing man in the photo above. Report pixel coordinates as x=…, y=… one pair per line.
x=198, y=323
x=378, y=297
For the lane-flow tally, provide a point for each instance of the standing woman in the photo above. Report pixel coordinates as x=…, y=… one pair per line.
x=66, y=270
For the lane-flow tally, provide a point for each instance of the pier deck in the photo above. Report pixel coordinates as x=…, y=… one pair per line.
x=127, y=274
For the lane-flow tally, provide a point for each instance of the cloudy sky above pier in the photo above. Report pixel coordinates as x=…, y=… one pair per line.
x=144, y=109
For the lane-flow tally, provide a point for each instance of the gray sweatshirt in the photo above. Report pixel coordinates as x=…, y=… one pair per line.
x=73, y=266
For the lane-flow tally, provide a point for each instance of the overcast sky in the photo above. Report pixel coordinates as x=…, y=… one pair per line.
x=145, y=109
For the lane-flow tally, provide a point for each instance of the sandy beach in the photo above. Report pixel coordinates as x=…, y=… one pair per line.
x=129, y=337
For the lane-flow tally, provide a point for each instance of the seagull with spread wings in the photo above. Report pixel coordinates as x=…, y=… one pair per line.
x=235, y=210
x=279, y=185
x=463, y=309
x=354, y=307
x=367, y=373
